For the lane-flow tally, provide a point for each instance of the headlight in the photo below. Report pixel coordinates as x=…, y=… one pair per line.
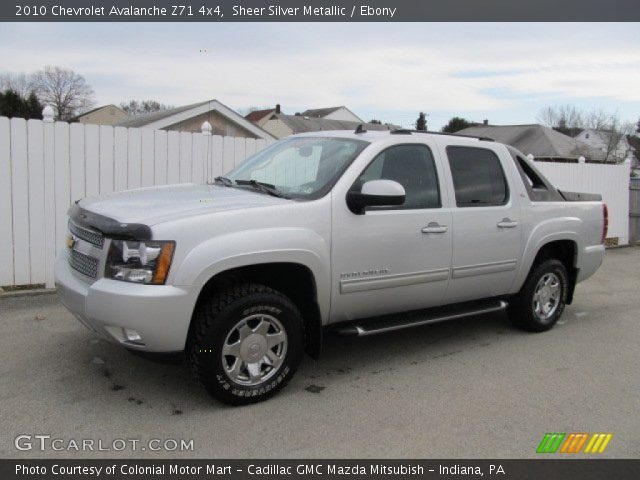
x=139, y=262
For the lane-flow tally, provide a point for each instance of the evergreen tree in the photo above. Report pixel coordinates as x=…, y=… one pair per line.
x=456, y=124
x=421, y=123
x=12, y=104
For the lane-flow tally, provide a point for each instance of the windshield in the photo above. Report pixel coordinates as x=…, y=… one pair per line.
x=300, y=167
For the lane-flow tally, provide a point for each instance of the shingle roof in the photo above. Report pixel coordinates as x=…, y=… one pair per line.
x=257, y=115
x=167, y=118
x=143, y=120
x=320, y=112
x=301, y=124
x=538, y=140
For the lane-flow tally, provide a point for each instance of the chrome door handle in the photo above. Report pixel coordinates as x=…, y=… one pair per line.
x=507, y=223
x=434, y=227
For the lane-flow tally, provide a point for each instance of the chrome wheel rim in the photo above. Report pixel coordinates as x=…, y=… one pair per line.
x=254, y=349
x=546, y=296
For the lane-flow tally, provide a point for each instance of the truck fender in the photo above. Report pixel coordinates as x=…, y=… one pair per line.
x=548, y=231
x=260, y=246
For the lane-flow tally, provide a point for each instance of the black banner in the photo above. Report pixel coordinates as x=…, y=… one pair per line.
x=549, y=469
x=319, y=11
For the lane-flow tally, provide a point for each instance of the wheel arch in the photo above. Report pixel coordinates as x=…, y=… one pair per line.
x=293, y=279
x=562, y=248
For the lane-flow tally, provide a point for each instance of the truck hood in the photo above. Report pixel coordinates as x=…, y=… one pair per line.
x=154, y=205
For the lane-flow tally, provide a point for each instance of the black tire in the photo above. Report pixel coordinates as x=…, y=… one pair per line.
x=521, y=306
x=217, y=317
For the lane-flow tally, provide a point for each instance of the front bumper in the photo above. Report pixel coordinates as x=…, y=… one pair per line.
x=161, y=314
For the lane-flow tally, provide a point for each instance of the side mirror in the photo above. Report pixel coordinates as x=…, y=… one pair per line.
x=376, y=193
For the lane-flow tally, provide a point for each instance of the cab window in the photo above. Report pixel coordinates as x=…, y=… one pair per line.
x=478, y=178
x=412, y=166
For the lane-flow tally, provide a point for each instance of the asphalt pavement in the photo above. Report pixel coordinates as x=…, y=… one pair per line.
x=464, y=389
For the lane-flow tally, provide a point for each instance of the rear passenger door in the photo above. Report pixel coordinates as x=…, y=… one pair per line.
x=486, y=223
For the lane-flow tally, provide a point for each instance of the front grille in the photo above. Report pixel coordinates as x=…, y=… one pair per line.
x=84, y=264
x=91, y=236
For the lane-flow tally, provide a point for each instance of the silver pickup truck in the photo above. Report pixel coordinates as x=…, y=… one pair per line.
x=354, y=232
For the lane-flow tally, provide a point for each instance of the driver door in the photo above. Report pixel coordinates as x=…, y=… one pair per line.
x=392, y=259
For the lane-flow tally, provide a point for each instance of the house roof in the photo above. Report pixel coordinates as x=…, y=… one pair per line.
x=166, y=118
x=77, y=117
x=301, y=124
x=537, y=140
x=257, y=115
x=320, y=112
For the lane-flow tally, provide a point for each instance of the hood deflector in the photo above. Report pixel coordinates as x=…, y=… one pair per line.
x=108, y=226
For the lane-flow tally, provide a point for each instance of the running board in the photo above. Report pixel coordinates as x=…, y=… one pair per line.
x=401, y=321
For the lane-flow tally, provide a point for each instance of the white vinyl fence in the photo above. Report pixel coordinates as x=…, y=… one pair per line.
x=610, y=181
x=46, y=165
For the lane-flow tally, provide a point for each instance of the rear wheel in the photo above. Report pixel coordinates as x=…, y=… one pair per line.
x=541, y=301
x=246, y=343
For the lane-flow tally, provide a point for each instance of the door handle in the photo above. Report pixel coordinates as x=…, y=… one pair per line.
x=434, y=227
x=507, y=223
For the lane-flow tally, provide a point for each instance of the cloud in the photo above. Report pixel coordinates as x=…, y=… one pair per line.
x=376, y=67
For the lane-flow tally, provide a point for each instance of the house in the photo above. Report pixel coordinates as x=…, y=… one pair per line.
x=105, y=115
x=542, y=142
x=333, y=113
x=614, y=147
x=281, y=125
x=260, y=117
x=189, y=118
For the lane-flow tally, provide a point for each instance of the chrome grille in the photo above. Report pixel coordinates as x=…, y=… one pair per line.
x=84, y=264
x=91, y=236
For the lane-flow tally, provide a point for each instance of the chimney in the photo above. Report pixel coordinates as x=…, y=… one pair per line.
x=485, y=122
x=277, y=108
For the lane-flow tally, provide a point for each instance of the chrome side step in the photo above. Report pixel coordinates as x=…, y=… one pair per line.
x=389, y=323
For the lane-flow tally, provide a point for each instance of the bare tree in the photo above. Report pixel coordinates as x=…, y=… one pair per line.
x=66, y=91
x=20, y=83
x=571, y=121
x=564, y=118
x=143, y=107
x=613, y=132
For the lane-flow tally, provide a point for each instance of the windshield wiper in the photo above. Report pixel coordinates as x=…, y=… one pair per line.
x=263, y=187
x=224, y=180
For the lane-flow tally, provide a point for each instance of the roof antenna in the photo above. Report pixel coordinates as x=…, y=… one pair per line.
x=360, y=129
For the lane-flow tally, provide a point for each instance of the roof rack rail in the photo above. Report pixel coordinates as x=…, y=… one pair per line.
x=406, y=131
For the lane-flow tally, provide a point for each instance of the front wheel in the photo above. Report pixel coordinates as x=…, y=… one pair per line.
x=541, y=301
x=246, y=343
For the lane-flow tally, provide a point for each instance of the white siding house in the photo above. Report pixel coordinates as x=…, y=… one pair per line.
x=613, y=147
x=333, y=113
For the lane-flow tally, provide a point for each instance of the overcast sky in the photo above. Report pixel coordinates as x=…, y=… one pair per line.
x=502, y=72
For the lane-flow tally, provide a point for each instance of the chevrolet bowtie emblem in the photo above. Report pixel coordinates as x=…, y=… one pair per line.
x=71, y=241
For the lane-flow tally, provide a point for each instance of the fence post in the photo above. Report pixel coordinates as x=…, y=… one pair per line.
x=49, y=196
x=206, y=130
x=47, y=114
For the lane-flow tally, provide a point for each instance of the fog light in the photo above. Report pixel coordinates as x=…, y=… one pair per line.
x=132, y=336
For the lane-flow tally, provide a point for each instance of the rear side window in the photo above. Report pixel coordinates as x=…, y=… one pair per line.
x=412, y=166
x=478, y=177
